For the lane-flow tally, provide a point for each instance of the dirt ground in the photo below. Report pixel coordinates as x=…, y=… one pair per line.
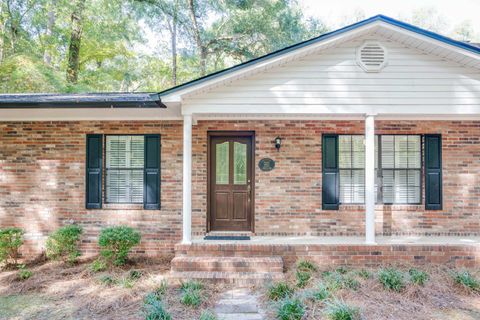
x=59, y=291
x=439, y=299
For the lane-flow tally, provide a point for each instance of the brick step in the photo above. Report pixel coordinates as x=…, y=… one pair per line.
x=227, y=264
x=237, y=278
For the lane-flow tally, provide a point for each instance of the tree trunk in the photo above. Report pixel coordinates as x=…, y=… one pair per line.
x=75, y=41
x=198, y=40
x=47, y=58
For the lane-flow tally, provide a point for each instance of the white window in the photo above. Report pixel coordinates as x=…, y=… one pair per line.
x=397, y=164
x=124, y=162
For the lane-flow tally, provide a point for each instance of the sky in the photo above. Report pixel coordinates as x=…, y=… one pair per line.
x=333, y=12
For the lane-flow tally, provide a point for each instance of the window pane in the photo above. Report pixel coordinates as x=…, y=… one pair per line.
x=358, y=148
x=388, y=148
x=346, y=186
x=414, y=152
x=116, y=152
x=221, y=163
x=136, y=156
x=401, y=151
x=400, y=188
x=240, y=163
x=358, y=187
x=388, y=178
x=345, y=151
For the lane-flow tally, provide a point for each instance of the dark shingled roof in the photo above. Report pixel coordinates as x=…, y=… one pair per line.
x=81, y=100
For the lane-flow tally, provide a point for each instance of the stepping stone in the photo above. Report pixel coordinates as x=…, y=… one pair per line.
x=238, y=304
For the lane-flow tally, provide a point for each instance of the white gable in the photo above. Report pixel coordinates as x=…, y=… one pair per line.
x=332, y=81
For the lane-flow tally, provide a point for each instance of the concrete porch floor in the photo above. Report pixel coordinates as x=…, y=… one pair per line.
x=347, y=240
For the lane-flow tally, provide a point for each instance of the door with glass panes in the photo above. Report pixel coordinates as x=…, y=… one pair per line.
x=230, y=182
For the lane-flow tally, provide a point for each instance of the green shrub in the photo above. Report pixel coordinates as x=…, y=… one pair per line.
x=208, y=315
x=135, y=274
x=350, y=283
x=126, y=282
x=339, y=310
x=279, y=290
x=307, y=266
x=335, y=281
x=302, y=278
x=191, y=297
x=391, y=279
x=98, y=265
x=418, y=277
x=154, y=309
x=10, y=241
x=290, y=309
x=116, y=243
x=63, y=243
x=107, y=280
x=24, y=273
x=467, y=280
x=342, y=270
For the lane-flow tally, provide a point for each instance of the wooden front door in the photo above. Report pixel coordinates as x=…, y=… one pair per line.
x=230, y=181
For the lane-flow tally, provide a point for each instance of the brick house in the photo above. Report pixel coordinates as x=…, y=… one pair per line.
x=360, y=146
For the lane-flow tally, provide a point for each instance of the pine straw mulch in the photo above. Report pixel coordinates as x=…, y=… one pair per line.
x=60, y=291
x=439, y=299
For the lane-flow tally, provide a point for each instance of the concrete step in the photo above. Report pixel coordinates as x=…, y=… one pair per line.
x=238, y=278
x=227, y=264
x=239, y=316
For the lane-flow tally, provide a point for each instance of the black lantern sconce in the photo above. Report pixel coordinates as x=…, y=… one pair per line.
x=278, y=143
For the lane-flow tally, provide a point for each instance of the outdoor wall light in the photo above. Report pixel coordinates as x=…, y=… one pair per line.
x=278, y=143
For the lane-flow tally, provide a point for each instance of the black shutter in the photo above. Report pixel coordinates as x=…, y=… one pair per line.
x=433, y=172
x=330, y=172
x=93, y=183
x=151, y=190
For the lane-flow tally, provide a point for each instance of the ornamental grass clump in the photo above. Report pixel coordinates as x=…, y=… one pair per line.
x=418, y=277
x=116, y=243
x=208, y=315
x=192, y=293
x=279, y=290
x=63, y=243
x=11, y=239
x=290, y=309
x=306, y=266
x=391, y=279
x=339, y=310
x=154, y=309
x=467, y=280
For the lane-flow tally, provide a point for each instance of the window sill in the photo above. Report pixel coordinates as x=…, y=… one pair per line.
x=123, y=206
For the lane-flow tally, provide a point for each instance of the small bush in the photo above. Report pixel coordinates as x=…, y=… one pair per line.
x=320, y=292
x=116, y=243
x=307, y=266
x=126, y=282
x=391, y=279
x=107, y=280
x=418, y=277
x=339, y=310
x=63, y=243
x=333, y=281
x=350, y=283
x=279, y=290
x=24, y=273
x=342, y=270
x=208, y=315
x=290, y=309
x=467, y=280
x=154, y=309
x=192, y=285
x=10, y=241
x=98, y=265
x=191, y=297
x=302, y=278
x=135, y=274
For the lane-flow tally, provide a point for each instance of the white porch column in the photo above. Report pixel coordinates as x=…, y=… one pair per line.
x=187, y=179
x=370, y=179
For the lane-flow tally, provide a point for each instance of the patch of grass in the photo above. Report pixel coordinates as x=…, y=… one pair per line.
x=418, y=277
x=467, y=280
x=107, y=280
x=391, y=279
x=306, y=265
x=135, y=274
x=364, y=274
x=98, y=265
x=319, y=293
x=303, y=277
x=279, y=290
x=339, y=310
x=208, y=315
x=350, y=283
x=191, y=297
x=162, y=288
x=290, y=309
x=342, y=270
x=126, y=282
x=192, y=285
x=335, y=281
x=154, y=309
x=24, y=273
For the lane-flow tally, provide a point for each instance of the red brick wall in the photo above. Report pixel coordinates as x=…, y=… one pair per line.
x=288, y=199
x=42, y=183
x=42, y=174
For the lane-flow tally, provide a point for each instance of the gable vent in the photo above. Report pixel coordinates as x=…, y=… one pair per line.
x=372, y=56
